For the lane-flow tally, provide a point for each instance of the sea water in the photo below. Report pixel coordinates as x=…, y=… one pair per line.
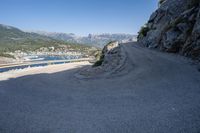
x=39, y=58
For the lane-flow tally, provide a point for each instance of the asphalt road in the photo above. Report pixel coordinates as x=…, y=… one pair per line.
x=153, y=93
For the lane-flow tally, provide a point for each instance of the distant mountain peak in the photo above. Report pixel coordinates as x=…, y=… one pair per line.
x=97, y=40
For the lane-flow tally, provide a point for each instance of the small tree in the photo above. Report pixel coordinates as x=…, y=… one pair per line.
x=143, y=31
x=161, y=1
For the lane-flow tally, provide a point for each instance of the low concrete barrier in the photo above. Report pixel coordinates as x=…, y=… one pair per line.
x=42, y=62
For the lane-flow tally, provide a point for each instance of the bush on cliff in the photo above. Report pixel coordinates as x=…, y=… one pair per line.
x=99, y=62
x=143, y=31
x=161, y=1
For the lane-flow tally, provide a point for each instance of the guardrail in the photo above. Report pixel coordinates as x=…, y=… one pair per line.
x=42, y=62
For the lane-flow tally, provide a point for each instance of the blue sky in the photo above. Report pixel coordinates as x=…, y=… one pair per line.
x=77, y=16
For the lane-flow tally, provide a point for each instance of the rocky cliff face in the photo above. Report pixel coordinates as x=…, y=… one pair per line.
x=174, y=27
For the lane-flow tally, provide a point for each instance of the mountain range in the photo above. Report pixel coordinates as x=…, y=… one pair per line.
x=97, y=40
x=12, y=39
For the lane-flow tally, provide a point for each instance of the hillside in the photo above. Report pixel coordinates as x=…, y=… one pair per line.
x=174, y=27
x=97, y=40
x=12, y=39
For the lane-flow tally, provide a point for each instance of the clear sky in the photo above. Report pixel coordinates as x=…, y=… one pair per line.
x=77, y=16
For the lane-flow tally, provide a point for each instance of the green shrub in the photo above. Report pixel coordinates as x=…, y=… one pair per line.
x=161, y=1
x=99, y=62
x=143, y=31
x=97, y=54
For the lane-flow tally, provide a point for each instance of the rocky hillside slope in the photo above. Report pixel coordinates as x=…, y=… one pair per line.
x=174, y=27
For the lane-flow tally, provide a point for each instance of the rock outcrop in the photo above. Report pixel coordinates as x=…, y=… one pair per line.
x=111, y=60
x=174, y=27
x=111, y=56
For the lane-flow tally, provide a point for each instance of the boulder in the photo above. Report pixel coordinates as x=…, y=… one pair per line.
x=110, y=46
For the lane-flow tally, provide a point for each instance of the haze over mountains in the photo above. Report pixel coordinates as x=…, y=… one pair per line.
x=97, y=40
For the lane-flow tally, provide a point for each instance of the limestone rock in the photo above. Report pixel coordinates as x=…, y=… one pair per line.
x=175, y=27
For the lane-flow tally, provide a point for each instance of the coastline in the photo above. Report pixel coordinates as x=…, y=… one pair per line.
x=42, y=69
